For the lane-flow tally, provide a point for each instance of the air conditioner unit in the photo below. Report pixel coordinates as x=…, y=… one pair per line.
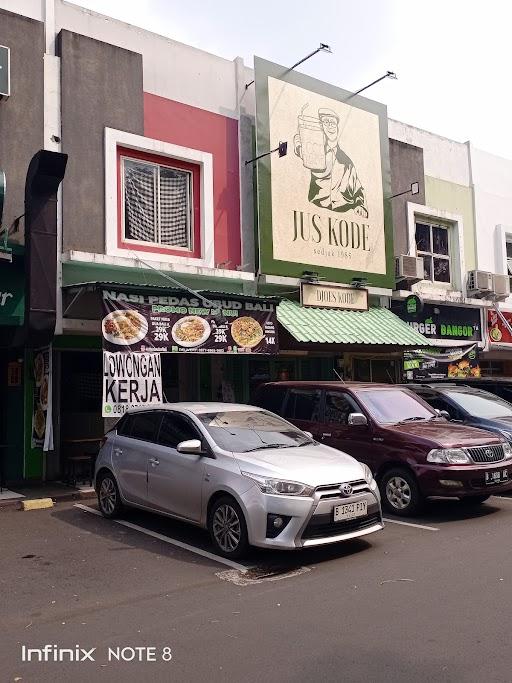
x=409, y=268
x=479, y=284
x=501, y=286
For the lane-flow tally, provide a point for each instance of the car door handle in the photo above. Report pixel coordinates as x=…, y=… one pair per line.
x=118, y=451
x=154, y=461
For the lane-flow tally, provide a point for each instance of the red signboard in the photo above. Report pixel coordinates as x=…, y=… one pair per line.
x=497, y=330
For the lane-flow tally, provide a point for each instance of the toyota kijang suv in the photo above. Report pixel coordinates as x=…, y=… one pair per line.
x=412, y=450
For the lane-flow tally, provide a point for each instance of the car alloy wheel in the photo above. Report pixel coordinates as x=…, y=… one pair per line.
x=109, y=499
x=398, y=492
x=226, y=528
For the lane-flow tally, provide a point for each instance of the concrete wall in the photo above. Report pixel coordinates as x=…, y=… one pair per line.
x=406, y=163
x=101, y=87
x=21, y=116
x=492, y=186
x=457, y=199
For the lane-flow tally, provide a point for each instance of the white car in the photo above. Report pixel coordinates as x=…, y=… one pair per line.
x=245, y=474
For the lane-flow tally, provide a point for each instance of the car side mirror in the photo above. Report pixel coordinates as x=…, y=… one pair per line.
x=443, y=413
x=192, y=446
x=309, y=434
x=357, y=420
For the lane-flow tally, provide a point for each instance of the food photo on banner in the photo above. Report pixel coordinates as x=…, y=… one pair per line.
x=438, y=363
x=130, y=380
x=187, y=324
x=42, y=431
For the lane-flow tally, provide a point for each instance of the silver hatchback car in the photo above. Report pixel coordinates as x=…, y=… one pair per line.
x=245, y=474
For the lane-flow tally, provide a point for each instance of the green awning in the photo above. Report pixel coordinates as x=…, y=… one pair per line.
x=377, y=326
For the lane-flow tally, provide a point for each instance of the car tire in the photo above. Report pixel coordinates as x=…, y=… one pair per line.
x=109, y=498
x=475, y=500
x=400, y=492
x=228, y=529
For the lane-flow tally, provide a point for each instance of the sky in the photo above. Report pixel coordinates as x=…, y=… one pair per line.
x=452, y=57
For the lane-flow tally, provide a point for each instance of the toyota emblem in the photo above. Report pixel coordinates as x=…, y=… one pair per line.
x=346, y=489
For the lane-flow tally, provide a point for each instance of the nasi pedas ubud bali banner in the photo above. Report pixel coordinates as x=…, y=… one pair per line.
x=182, y=323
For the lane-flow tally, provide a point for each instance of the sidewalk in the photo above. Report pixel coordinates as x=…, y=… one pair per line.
x=10, y=497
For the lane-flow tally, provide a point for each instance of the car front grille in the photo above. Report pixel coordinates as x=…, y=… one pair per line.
x=333, y=490
x=493, y=453
x=318, y=528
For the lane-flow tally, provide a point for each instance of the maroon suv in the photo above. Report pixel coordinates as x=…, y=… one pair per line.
x=413, y=452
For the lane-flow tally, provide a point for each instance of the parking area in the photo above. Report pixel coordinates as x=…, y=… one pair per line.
x=416, y=601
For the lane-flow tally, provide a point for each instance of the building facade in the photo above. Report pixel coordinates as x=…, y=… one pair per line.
x=162, y=207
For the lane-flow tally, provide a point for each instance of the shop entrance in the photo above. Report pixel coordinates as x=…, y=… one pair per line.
x=384, y=370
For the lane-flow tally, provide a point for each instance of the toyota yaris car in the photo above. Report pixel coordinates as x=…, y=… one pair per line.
x=246, y=474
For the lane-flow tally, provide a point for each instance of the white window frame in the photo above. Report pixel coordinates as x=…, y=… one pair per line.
x=418, y=213
x=432, y=254
x=190, y=204
x=116, y=138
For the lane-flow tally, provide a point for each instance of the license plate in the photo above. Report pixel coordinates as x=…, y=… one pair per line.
x=498, y=477
x=350, y=510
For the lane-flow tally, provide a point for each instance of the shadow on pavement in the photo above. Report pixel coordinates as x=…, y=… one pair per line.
x=273, y=561
x=449, y=510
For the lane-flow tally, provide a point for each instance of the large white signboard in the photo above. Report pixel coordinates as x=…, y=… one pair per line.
x=130, y=380
x=327, y=196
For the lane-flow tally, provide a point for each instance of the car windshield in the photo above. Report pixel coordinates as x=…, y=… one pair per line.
x=242, y=431
x=391, y=406
x=480, y=404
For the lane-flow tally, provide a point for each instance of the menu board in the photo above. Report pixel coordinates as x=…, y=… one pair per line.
x=42, y=436
x=175, y=323
x=438, y=363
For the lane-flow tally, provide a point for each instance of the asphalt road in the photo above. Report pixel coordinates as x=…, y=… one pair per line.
x=406, y=604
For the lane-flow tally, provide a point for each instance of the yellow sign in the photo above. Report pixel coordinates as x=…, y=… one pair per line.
x=333, y=296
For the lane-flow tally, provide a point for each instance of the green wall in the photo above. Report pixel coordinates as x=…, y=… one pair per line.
x=454, y=198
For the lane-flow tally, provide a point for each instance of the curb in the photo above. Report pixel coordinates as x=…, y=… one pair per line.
x=19, y=504
x=35, y=504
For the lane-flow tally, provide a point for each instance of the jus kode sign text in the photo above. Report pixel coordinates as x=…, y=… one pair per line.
x=130, y=380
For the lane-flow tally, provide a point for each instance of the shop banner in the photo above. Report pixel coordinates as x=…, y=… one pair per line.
x=498, y=331
x=130, y=380
x=436, y=321
x=42, y=428
x=436, y=363
x=177, y=323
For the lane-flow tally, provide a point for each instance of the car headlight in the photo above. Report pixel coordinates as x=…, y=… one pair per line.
x=280, y=486
x=507, y=448
x=367, y=473
x=449, y=456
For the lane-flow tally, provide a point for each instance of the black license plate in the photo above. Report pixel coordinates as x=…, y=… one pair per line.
x=497, y=477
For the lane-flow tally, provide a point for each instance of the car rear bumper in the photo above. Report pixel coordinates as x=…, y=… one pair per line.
x=310, y=521
x=461, y=481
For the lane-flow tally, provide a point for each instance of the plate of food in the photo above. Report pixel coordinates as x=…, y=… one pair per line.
x=124, y=327
x=39, y=423
x=191, y=331
x=38, y=369
x=43, y=394
x=246, y=332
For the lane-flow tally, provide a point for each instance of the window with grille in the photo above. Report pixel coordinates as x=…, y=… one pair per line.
x=433, y=244
x=157, y=204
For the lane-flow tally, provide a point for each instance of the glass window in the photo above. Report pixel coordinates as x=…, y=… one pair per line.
x=338, y=407
x=124, y=426
x=303, y=404
x=433, y=244
x=175, y=429
x=144, y=426
x=389, y=406
x=157, y=204
x=271, y=398
x=241, y=431
x=481, y=404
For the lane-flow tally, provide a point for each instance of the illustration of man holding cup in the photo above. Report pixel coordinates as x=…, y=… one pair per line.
x=334, y=182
